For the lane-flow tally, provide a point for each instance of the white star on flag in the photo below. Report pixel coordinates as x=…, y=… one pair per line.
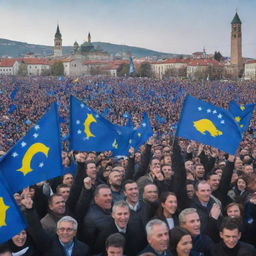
x=144, y=124
x=79, y=132
x=82, y=105
x=37, y=127
x=199, y=108
x=77, y=121
x=214, y=111
x=97, y=116
x=23, y=144
x=208, y=110
x=15, y=154
x=35, y=135
x=222, y=122
x=41, y=165
x=219, y=115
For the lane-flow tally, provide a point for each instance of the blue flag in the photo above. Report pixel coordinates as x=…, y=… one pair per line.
x=160, y=120
x=11, y=109
x=142, y=134
x=11, y=220
x=89, y=131
x=13, y=93
x=105, y=112
x=37, y=156
x=208, y=124
x=241, y=113
x=131, y=68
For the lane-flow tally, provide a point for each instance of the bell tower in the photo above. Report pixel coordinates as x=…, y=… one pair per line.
x=57, y=51
x=236, y=45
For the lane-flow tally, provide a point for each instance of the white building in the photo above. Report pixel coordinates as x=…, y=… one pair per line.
x=36, y=66
x=250, y=70
x=9, y=67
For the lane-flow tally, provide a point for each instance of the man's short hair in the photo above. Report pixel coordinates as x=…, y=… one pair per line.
x=128, y=182
x=99, y=187
x=51, y=198
x=152, y=223
x=200, y=182
x=62, y=186
x=68, y=219
x=115, y=240
x=230, y=224
x=120, y=203
x=184, y=213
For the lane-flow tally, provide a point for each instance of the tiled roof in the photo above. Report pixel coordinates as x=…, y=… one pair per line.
x=7, y=62
x=204, y=62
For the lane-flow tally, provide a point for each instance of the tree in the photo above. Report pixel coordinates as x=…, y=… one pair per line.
x=218, y=56
x=123, y=69
x=57, y=69
x=145, y=70
x=23, y=69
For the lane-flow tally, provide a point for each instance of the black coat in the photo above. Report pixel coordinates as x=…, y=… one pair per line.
x=56, y=249
x=241, y=249
x=95, y=220
x=203, y=244
x=135, y=238
x=148, y=248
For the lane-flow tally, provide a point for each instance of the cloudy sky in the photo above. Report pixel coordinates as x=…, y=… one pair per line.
x=174, y=26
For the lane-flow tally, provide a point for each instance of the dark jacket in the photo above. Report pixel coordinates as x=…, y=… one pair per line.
x=209, y=225
x=148, y=248
x=203, y=244
x=95, y=220
x=56, y=249
x=241, y=249
x=135, y=238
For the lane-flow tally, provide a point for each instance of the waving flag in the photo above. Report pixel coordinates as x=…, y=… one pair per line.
x=160, y=120
x=11, y=109
x=37, y=156
x=208, y=124
x=142, y=134
x=13, y=93
x=105, y=112
x=241, y=113
x=90, y=131
x=11, y=220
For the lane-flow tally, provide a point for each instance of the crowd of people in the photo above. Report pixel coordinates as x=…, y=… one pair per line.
x=171, y=197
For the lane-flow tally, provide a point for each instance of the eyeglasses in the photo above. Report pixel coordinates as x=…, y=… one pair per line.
x=66, y=229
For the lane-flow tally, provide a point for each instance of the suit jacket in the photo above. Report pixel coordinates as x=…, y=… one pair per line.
x=148, y=248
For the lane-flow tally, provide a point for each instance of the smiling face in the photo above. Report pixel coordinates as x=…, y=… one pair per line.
x=230, y=237
x=159, y=238
x=66, y=232
x=184, y=246
x=170, y=205
x=192, y=224
x=121, y=216
x=20, y=239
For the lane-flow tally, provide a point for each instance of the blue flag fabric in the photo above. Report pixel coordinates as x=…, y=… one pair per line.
x=11, y=109
x=208, y=124
x=11, y=220
x=105, y=112
x=142, y=134
x=131, y=68
x=13, y=93
x=89, y=131
x=37, y=156
x=241, y=113
x=160, y=120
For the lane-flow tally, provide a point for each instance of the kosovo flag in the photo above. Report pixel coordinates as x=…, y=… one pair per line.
x=11, y=220
x=13, y=93
x=90, y=131
x=241, y=113
x=37, y=156
x=142, y=134
x=122, y=144
x=208, y=124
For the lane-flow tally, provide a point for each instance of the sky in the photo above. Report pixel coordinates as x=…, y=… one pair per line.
x=173, y=26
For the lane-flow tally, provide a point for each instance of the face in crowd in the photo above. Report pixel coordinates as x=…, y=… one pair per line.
x=66, y=231
x=104, y=198
x=150, y=193
x=192, y=224
x=203, y=192
x=131, y=192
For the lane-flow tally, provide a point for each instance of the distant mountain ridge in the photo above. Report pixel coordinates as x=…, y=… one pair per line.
x=15, y=49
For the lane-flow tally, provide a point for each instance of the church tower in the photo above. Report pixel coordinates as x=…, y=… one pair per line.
x=89, y=38
x=236, y=44
x=57, y=43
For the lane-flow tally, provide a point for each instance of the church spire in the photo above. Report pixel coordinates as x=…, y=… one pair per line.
x=58, y=34
x=89, y=37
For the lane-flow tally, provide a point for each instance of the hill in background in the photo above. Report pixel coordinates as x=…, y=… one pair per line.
x=9, y=48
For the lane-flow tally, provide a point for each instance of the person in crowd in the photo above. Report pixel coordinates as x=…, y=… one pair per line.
x=158, y=238
x=64, y=190
x=230, y=244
